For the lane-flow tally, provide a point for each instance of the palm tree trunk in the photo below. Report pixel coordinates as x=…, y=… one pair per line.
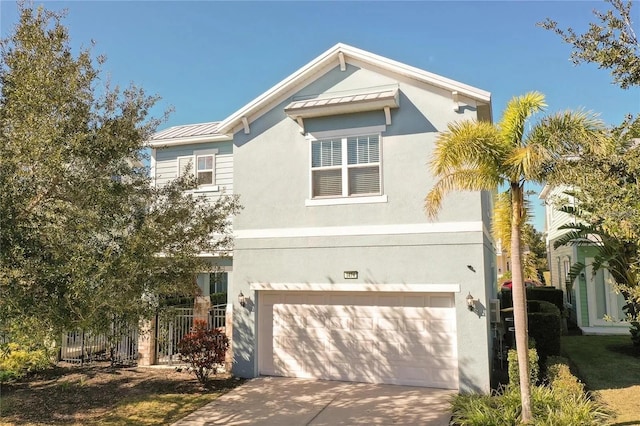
x=519, y=301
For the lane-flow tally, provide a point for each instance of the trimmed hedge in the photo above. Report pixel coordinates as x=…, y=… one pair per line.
x=560, y=377
x=545, y=327
x=547, y=294
x=514, y=370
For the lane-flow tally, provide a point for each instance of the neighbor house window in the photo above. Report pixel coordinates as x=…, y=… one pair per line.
x=218, y=282
x=201, y=164
x=345, y=167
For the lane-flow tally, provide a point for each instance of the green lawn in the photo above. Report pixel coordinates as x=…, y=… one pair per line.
x=609, y=368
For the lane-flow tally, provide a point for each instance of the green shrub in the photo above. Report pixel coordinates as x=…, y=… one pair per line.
x=561, y=379
x=547, y=294
x=17, y=360
x=545, y=326
x=549, y=408
x=514, y=371
x=481, y=410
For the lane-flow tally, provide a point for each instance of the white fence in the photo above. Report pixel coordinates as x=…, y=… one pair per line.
x=173, y=323
x=84, y=347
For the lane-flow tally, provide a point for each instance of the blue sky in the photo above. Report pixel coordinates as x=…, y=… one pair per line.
x=208, y=59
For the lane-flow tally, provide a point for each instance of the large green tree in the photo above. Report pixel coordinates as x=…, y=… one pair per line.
x=611, y=42
x=606, y=188
x=606, y=184
x=473, y=155
x=85, y=238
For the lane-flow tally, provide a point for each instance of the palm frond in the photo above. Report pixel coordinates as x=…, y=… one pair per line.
x=514, y=118
x=575, y=270
x=574, y=238
x=571, y=133
x=467, y=144
x=501, y=224
x=502, y=216
x=459, y=180
x=527, y=161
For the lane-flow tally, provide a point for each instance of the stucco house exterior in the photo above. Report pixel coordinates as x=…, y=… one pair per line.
x=591, y=301
x=342, y=275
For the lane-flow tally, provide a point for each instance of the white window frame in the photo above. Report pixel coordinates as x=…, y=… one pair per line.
x=345, y=198
x=212, y=187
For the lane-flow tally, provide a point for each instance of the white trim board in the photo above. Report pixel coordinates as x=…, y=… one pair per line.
x=388, y=288
x=341, y=231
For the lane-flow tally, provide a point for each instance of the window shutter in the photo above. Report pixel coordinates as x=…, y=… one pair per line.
x=183, y=164
x=364, y=180
x=327, y=183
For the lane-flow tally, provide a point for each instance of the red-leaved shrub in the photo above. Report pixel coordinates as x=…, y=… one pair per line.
x=203, y=349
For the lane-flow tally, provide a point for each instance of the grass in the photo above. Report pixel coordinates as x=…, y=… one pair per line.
x=155, y=409
x=609, y=368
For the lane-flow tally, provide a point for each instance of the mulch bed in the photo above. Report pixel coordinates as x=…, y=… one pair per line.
x=70, y=393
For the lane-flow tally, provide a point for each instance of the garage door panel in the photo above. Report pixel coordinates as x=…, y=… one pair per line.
x=442, y=326
x=441, y=302
x=355, y=337
x=417, y=300
x=339, y=323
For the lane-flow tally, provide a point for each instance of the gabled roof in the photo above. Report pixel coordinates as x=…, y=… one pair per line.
x=339, y=55
x=188, y=133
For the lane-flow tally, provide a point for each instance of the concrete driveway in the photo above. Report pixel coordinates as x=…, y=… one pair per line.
x=287, y=401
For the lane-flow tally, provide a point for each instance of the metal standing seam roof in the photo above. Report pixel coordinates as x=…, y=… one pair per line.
x=344, y=99
x=187, y=131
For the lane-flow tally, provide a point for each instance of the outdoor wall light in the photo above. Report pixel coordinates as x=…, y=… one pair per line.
x=471, y=302
x=242, y=300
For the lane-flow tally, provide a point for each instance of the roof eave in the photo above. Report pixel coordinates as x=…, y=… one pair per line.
x=161, y=143
x=544, y=192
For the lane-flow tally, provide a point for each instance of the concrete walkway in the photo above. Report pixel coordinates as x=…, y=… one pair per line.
x=287, y=401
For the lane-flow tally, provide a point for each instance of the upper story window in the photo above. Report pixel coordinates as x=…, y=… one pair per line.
x=345, y=166
x=203, y=164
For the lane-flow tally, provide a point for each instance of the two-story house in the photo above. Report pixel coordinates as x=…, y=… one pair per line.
x=592, y=302
x=340, y=273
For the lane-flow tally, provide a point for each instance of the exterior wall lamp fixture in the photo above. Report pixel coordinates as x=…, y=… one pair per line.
x=242, y=299
x=471, y=302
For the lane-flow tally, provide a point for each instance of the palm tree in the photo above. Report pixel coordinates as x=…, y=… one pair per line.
x=501, y=231
x=476, y=155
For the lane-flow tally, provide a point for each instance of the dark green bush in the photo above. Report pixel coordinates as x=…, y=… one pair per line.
x=547, y=294
x=218, y=298
x=545, y=326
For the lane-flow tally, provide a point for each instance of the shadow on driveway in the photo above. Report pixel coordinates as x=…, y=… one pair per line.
x=288, y=401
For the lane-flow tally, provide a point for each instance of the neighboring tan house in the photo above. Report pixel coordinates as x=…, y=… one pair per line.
x=340, y=273
x=593, y=304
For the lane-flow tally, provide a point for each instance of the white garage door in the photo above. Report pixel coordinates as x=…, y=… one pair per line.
x=396, y=338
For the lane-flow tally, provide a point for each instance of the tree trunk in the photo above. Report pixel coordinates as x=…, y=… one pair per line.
x=519, y=301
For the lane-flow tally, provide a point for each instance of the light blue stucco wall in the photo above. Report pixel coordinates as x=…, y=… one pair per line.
x=272, y=176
